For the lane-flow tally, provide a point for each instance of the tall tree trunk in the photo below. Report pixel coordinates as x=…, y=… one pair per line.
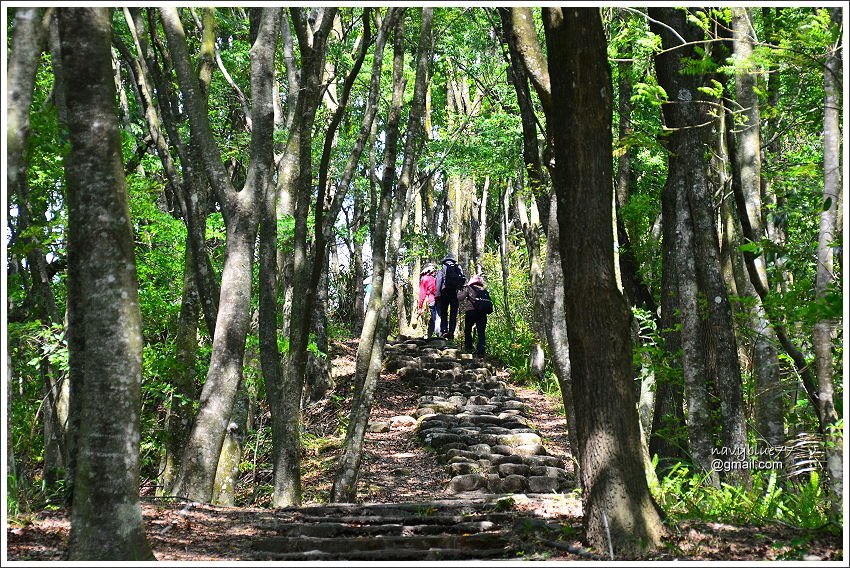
x=523, y=34
x=318, y=374
x=718, y=339
x=180, y=412
x=227, y=470
x=694, y=362
x=669, y=438
x=345, y=483
x=481, y=234
x=770, y=415
x=828, y=236
x=23, y=64
x=504, y=250
x=619, y=511
x=556, y=329
x=357, y=264
x=242, y=207
x=382, y=211
x=106, y=352
x=531, y=230
x=190, y=193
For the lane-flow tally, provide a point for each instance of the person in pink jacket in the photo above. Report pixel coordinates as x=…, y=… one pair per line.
x=427, y=297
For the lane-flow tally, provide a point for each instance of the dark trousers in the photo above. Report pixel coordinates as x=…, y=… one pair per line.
x=447, y=302
x=477, y=320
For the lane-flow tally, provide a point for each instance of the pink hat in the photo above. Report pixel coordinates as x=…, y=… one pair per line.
x=476, y=281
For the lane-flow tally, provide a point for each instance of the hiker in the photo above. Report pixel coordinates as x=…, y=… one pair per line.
x=476, y=303
x=428, y=297
x=449, y=280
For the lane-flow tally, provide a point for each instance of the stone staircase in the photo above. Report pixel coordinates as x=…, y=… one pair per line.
x=499, y=472
x=456, y=529
x=477, y=425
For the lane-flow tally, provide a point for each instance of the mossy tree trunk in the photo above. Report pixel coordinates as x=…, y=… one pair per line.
x=105, y=352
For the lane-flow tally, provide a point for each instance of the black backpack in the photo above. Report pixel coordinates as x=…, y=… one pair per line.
x=481, y=300
x=453, y=277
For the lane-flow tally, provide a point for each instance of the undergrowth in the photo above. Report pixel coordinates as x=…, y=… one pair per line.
x=771, y=498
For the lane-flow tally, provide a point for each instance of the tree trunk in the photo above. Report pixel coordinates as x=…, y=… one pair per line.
x=190, y=193
x=203, y=449
x=828, y=236
x=531, y=230
x=505, y=253
x=227, y=470
x=106, y=352
x=669, y=437
x=180, y=412
x=481, y=235
x=524, y=36
x=770, y=415
x=318, y=374
x=23, y=65
x=345, y=483
x=382, y=212
x=718, y=339
x=556, y=329
x=619, y=511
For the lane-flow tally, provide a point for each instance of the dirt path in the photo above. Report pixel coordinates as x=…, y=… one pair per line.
x=397, y=469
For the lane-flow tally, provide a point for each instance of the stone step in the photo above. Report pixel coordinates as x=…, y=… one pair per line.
x=398, y=555
x=330, y=529
x=408, y=520
x=372, y=543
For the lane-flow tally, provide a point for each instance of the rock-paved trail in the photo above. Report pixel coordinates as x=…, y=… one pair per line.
x=497, y=481
x=477, y=425
x=456, y=466
x=451, y=471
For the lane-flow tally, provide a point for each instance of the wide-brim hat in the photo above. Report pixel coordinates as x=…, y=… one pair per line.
x=448, y=257
x=429, y=268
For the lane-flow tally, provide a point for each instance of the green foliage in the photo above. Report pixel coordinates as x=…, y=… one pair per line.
x=509, y=333
x=685, y=495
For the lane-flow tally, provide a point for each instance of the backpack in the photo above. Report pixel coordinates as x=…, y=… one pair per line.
x=453, y=277
x=481, y=300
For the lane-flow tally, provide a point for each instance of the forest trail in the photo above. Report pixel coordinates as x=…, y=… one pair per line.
x=452, y=481
x=454, y=469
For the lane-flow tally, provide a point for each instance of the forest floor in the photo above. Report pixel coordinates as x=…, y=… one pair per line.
x=397, y=469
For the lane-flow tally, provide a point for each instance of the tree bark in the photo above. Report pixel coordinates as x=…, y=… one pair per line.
x=313, y=47
x=28, y=43
x=504, y=251
x=556, y=329
x=524, y=36
x=345, y=483
x=828, y=235
x=190, y=191
x=770, y=416
x=616, y=497
x=719, y=344
x=243, y=210
x=180, y=412
x=106, y=352
x=382, y=212
x=531, y=230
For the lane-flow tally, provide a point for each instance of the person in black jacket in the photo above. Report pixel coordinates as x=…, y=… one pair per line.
x=447, y=296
